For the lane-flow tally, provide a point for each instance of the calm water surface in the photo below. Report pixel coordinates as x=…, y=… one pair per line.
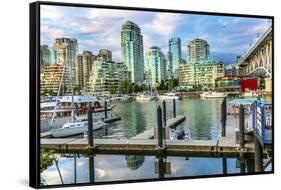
x=202, y=122
x=103, y=168
x=202, y=117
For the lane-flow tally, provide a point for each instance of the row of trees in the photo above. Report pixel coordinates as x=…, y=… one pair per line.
x=46, y=92
x=168, y=85
x=124, y=87
x=127, y=87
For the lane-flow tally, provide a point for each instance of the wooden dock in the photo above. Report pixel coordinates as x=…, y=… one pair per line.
x=135, y=146
x=144, y=143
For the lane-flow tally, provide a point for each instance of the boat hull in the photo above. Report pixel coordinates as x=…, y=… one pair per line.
x=144, y=98
x=168, y=97
x=45, y=125
x=213, y=96
x=64, y=132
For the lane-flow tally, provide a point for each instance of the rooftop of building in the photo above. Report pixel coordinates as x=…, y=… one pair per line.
x=128, y=22
x=197, y=40
x=205, y=62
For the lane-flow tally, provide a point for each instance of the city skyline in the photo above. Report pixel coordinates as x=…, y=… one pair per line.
x=227, y=36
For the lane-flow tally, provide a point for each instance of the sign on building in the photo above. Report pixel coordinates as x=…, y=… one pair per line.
x=262, y=121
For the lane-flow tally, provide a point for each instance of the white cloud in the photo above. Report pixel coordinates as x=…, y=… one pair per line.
x=147, y=42
x=51, y=12
x=164, y=23
x=51, y=32
x=260, y=28
x=91, y=29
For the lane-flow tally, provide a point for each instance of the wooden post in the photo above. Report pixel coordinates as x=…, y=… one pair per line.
x=159, y=127
x=224, y=109
x=75, y=170
x=105, y=109
x=162, y=167
x=224, y=165
x=242, y=163
x=241, y=127
x=174, y=107
x=222, y=120
x=258, y=155
x=90, y=127
x=164, y=113
x=91, y=168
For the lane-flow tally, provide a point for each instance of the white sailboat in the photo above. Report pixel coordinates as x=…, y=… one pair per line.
x=75, y=128
x=66, y=119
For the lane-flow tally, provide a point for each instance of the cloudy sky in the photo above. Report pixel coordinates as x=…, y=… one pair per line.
x=100, y=28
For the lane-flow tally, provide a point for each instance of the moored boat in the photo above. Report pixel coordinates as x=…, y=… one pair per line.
x=212, y=94
x=56, y=114
x=249, y=94
x=168, y=96
x=75, y=128
x=144, y=97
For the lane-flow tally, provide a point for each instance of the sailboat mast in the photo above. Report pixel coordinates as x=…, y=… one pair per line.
x=57, y=98
x=72, y=91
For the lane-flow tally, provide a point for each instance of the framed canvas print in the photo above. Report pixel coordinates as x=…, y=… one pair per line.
x=126, y=94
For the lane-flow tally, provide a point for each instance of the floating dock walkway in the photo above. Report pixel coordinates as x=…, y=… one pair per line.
x=145, y=143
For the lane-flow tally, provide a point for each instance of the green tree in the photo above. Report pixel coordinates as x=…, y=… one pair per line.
x=51, y=93
x=45, y=92
x=77, y=89
x=112, y=89
x=46, y=159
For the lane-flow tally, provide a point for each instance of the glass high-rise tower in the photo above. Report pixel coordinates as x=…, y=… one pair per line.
x=155, y=66
x=198, y=50
x=45, y=57
x=132, y=51
x=174, y=57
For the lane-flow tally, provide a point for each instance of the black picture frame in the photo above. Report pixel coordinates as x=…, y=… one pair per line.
x=34, y=89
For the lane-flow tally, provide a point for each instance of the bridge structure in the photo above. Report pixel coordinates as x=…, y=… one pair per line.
x=258, y=61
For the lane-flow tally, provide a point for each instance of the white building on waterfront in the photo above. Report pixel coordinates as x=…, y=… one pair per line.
x=202, y=73
x=155, y=66
x=106, y=76
x=53, y=76
x=199, y=69
x=83, y=67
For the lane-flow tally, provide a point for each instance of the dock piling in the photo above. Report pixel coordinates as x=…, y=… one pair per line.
x=242, y=163
x=224, y=108
x=241, y=127
x=164, y=113
x=159, y=127
x=91, y=169
x=174, y=107
x=161, y=165
x=90, y=127
x=105, y=109
x=223, y=120
x=258, y=155
x=224, y=165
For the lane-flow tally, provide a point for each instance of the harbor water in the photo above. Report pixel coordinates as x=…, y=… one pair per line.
x=202, y=122
x=202, y=117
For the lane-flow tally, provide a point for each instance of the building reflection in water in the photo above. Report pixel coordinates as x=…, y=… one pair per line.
x=134, y=161
x=67, y=168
